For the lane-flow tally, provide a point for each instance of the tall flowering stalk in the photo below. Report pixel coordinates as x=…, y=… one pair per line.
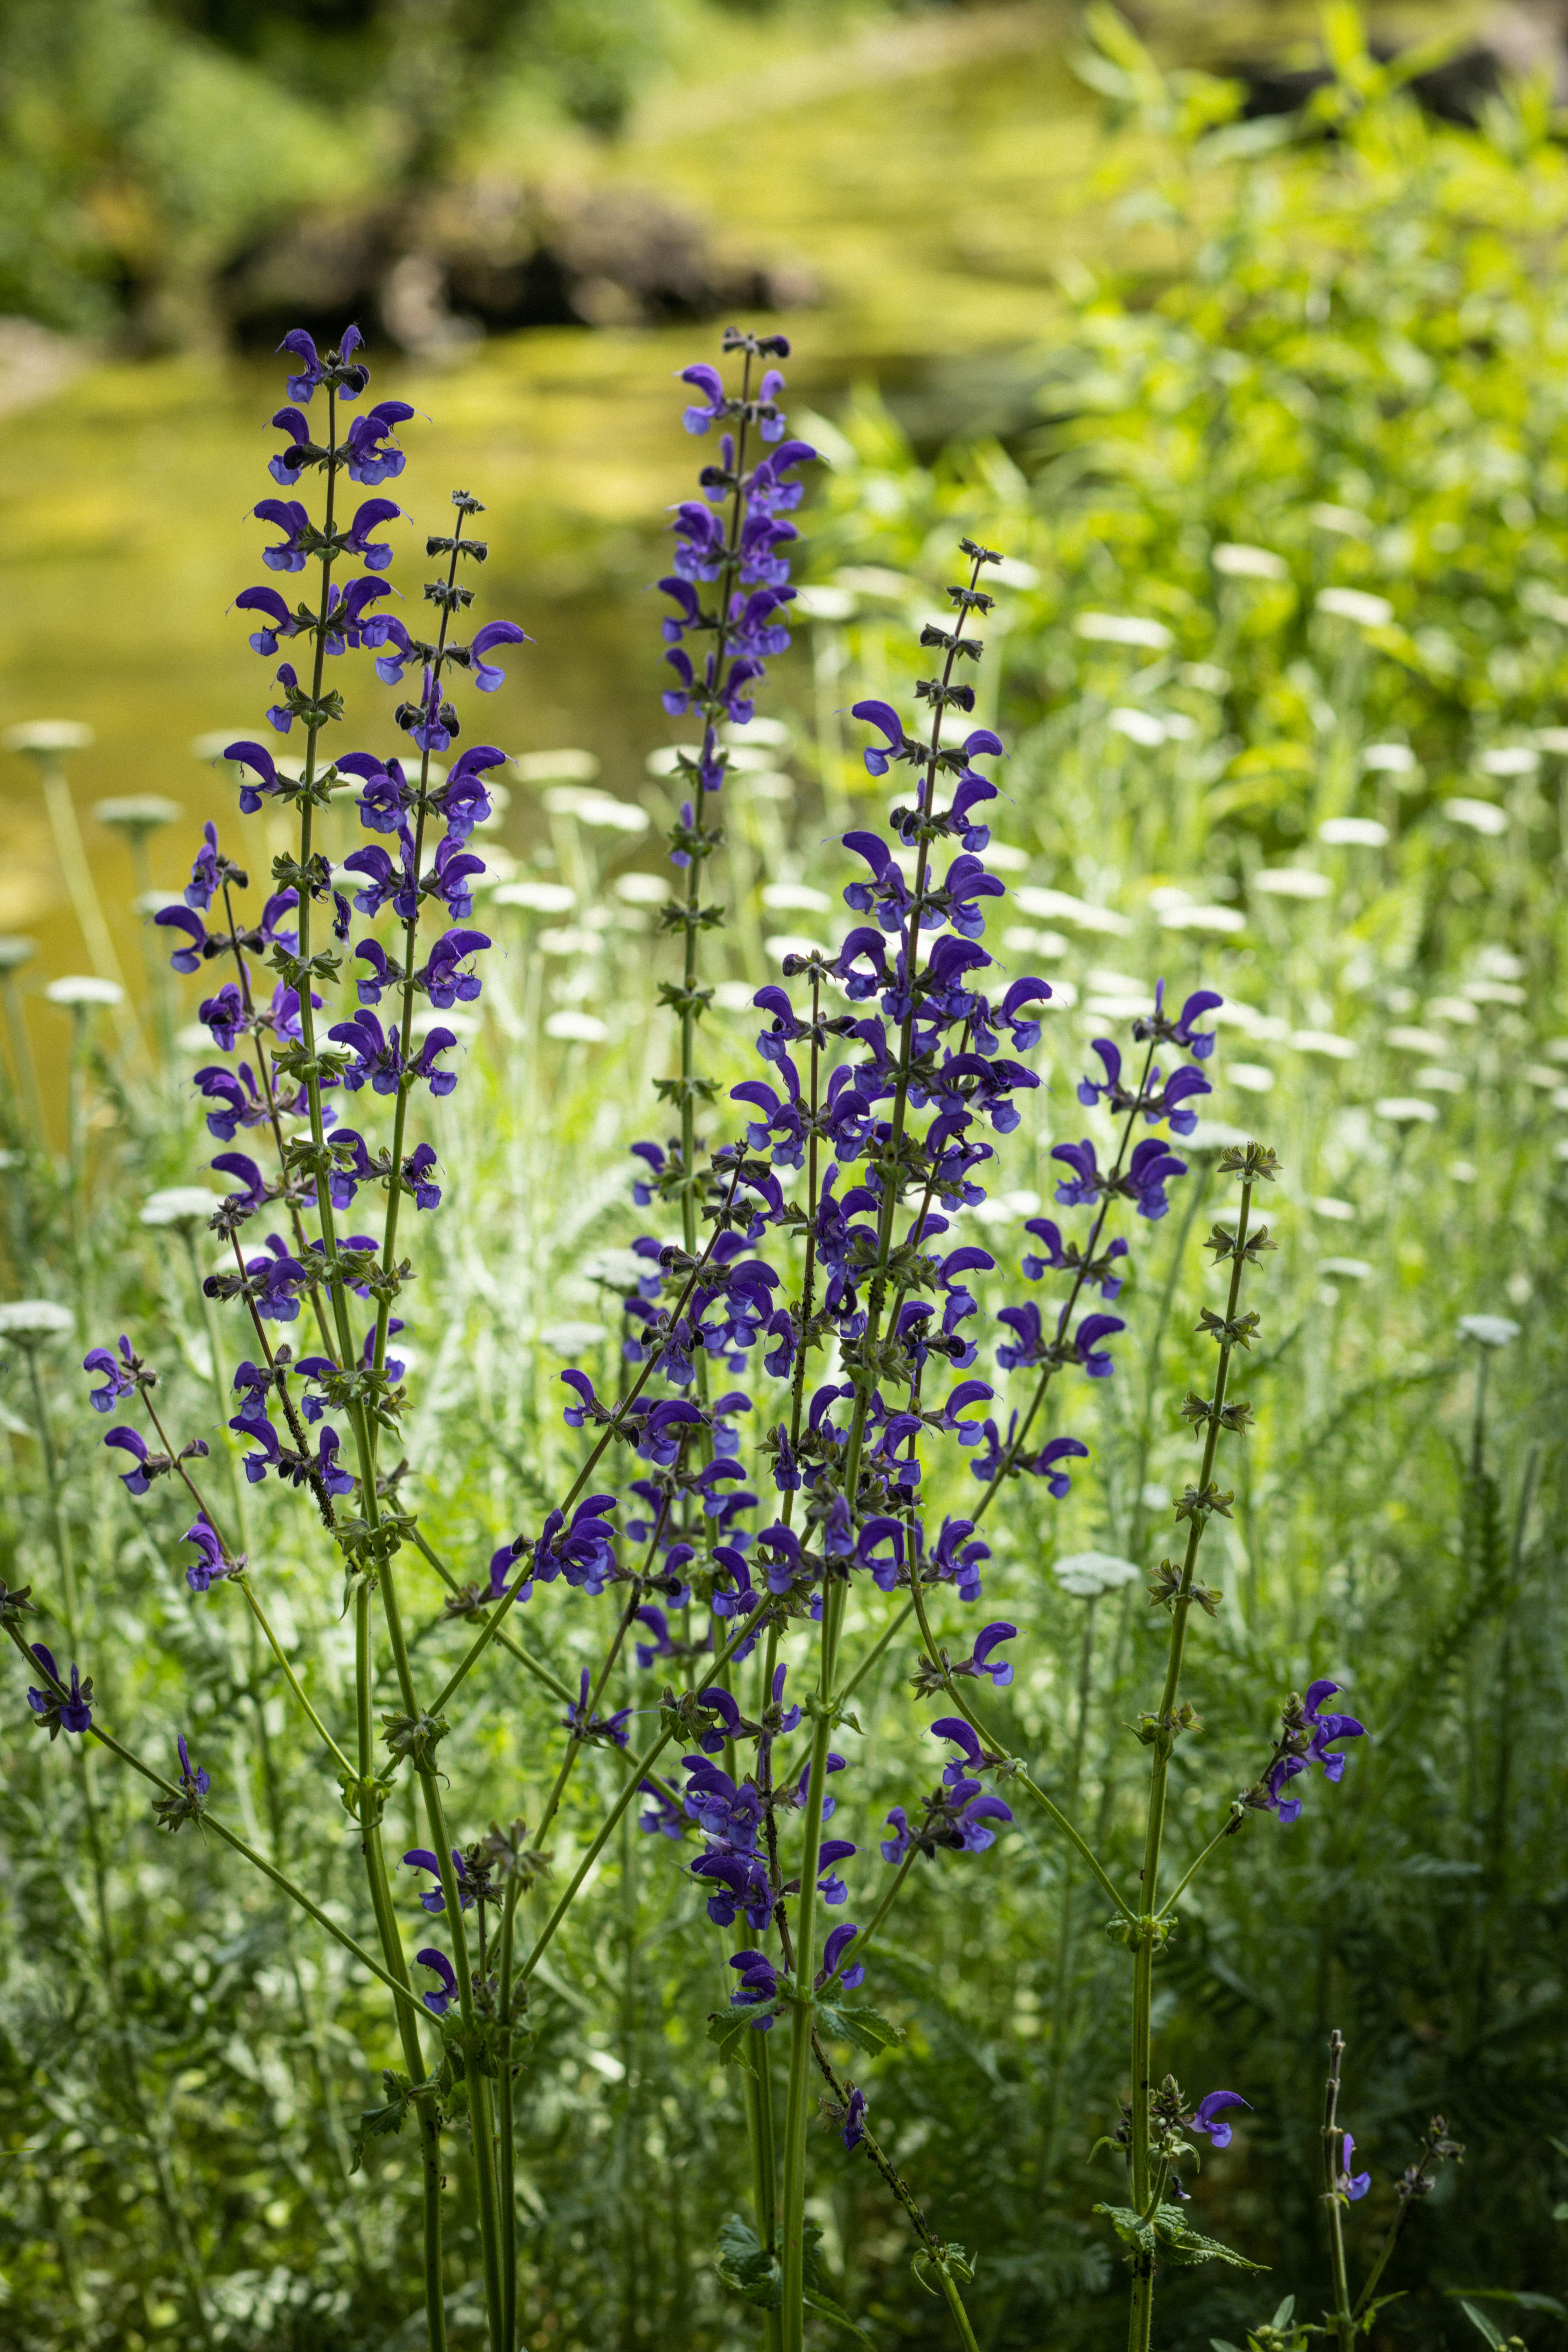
x=821, y=1216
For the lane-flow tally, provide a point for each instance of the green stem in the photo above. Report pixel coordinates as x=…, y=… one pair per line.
x=1333, y=2200
x=1162, y=1740
x=1052, y=1812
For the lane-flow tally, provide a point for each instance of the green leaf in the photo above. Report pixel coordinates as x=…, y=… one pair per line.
x=1525, y=2302
x=1284, y=2313
x=835, y=2312
x=865, y=2027
x=731, y=2036
x=1482, y=2323
x=1128, y=2226
x=747, y=2267
x=1186, y=2248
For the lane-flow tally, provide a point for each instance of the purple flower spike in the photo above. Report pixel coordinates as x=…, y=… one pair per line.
x=832, y=1952
x=1205, y=2114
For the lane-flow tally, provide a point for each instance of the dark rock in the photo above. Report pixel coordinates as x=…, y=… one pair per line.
x=431, y=277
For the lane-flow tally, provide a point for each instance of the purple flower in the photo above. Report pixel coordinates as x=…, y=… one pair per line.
x=1202, y=2118
x=989, y=1639
x=833, y=1951
x=439, y=2003
x=1181, y=1031
x=369, y=453
x=120, y=1379
x=212, y=1562
x=446, y=978
x=74, y=1712
x=434, y=1899
x=192, y=1779
x=1353, y=2185
x=853, y=2130
x=374, y=555
x=132, y=1442
x=488, y=676
x=758, y=1988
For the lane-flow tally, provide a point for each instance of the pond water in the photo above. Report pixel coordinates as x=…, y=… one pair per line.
x=933, y=177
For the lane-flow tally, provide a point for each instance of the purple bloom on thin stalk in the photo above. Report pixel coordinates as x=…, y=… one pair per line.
x=1208, y=2118
x=212, y=1562
x=439, y=2002
x=120, y=1377
x=1353, y=2185
x=434, y=1899
x=73, y=1713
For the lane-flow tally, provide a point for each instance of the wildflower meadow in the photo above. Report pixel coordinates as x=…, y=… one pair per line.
x=779, y=1538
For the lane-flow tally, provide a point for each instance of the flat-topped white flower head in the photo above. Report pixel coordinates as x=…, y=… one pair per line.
x=74, y=988
x=33, y=1320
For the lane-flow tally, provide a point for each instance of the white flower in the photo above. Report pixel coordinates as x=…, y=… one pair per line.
x=1252, y=1078
x=824, y=603
x=15, y=950
x=1405, y=1110
x=1452, y=1008
x=463, y=1025
x=1061, y=906
x=774, y=732
x=216, y=740
x=600, y=812
x=1242, y=563
x=1201, y=919
x=1346, y=520
x=1019, y=941
x=178, y=1202
x=1206, y=677
x=1214, y=1135
x=666, y=761
x=579, y=1028
x=1122, y=629
x=556, y=767
x=1356, y=832
x=1494, y=992
x=1002, y=858
x=32, y=1319
x=733, y=995
x=84, y=988
x=1138, y=726
x=1552, y=739
x=1324, y=1042
x=47, y=735
x=642, y=889
x=795, y=898
x=1356, y=604
x=1086, y=1574
x=788, y=943
x=1489, y=1330
x=1354, y=1269
x=1439, y=1081
x=1004, y=1208
x=138, y=811
x=1510, y=759
x=1384, y=759
x=1342, y=1213
x=570, y=1338
x=569, y=939
x=539, y=897
x=1410, y=1040
x=1481, y=816
x=1291, y=882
